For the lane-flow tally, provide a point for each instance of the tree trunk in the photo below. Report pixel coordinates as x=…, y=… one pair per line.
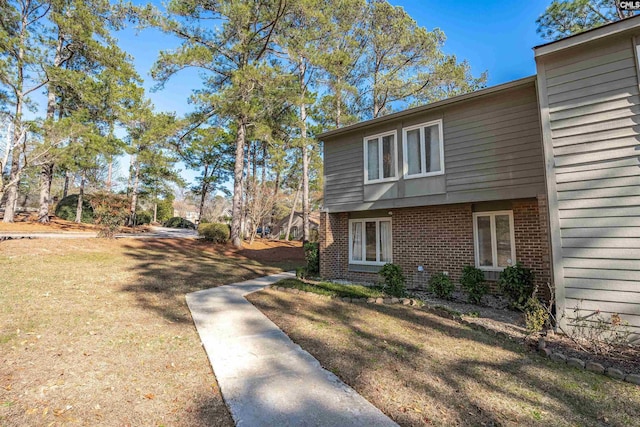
x=65, y=189
x=80, y=198
x=237, y=184
x=15, y=171
x=16, y=168
x=293, y=211
x=246, y=197
x=109, y=174
x=12, y=188
x=155, y=212
x=46, y=178
x=132, y=160
x=204, y=189
x=275, y=230
x=5, y=157
x=338, y=103
x=134, y=194
x=305, y=155
x=305, y=194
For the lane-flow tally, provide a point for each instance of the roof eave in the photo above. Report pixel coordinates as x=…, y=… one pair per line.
x=588, y=36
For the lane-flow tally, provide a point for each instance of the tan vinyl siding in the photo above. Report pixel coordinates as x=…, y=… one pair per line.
x=592, y=103
x=492, y=151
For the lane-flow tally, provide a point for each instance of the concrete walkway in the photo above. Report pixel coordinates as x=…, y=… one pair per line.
x=265, y=378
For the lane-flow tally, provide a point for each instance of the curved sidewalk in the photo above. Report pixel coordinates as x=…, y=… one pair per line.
x=265, y=378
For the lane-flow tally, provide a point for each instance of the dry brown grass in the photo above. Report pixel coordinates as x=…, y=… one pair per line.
x=421, y=369
x=30, y=224
x=97, y=332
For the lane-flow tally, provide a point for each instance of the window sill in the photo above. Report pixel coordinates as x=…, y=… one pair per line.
x=381, y=181
x=498, y=269
x=364, y=268
x=423, y=175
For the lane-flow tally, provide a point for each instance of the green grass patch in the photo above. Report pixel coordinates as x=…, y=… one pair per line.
x=333, y=289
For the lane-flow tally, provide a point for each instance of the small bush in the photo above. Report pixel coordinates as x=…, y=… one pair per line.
x=301, y=273
x=473, y=282
x=143, y=217
x=394, y=280
x=535, y=315
x=216, y=233
x=312, y=256
x=111, y=211
x=516, y=282
x=441, y=285
x=66, y=208
x=177, y=222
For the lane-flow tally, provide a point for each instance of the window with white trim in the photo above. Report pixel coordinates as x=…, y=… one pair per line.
x=380, y=152
x=422, y=150
x=494, y=240
x=370, y=241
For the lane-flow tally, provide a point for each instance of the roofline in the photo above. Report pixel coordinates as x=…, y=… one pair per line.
x=587, y=36
x=427, y=107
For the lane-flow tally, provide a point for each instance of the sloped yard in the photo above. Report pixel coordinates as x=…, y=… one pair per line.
x=96, y=332
x=421, y=369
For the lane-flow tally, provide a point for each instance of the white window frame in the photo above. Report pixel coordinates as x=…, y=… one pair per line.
x=423, y=151
x=380, y=157
x=494, y=243
x=364, y=240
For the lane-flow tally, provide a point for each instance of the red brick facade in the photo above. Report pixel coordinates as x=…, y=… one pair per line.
x=438, y=238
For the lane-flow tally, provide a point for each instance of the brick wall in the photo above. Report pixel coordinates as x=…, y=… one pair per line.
x=532, y=242
x=439, y=238
x=334, y=236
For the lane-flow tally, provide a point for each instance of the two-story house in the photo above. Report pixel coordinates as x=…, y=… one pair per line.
x=454, y=183
x=542, y=171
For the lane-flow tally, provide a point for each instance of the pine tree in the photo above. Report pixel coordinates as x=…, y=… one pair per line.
x=233, y=54
x=563, y=18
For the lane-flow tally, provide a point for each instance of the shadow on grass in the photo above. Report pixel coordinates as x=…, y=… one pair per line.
x=466, y=374
x=169, y=269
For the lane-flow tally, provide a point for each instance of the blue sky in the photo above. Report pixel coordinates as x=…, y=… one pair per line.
x=496, y=36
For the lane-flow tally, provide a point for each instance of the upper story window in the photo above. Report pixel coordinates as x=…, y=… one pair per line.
x=423, y=153
x=380, y=152
x=494, y=240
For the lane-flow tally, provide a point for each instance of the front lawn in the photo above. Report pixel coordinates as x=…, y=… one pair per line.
x=421, y=369
x=97, y=332
x=332, y=289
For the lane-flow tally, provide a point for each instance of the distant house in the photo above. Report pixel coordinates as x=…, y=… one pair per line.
x=297, y=225
x=543, y=170
x=185, y=210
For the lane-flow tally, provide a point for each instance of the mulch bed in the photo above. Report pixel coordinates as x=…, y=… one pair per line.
x=496, y=317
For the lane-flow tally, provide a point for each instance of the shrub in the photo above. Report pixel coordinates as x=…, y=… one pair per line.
x=441, y=285
x=177, y=222
x=301, y=273
x=535, y=315
x=595, y=333
x=111, y=211
x=516, y=282
x=473, y=282
x=143, y=217
x=394, y=280
x=312, y=256
x=66, y=208
x=216, y=233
